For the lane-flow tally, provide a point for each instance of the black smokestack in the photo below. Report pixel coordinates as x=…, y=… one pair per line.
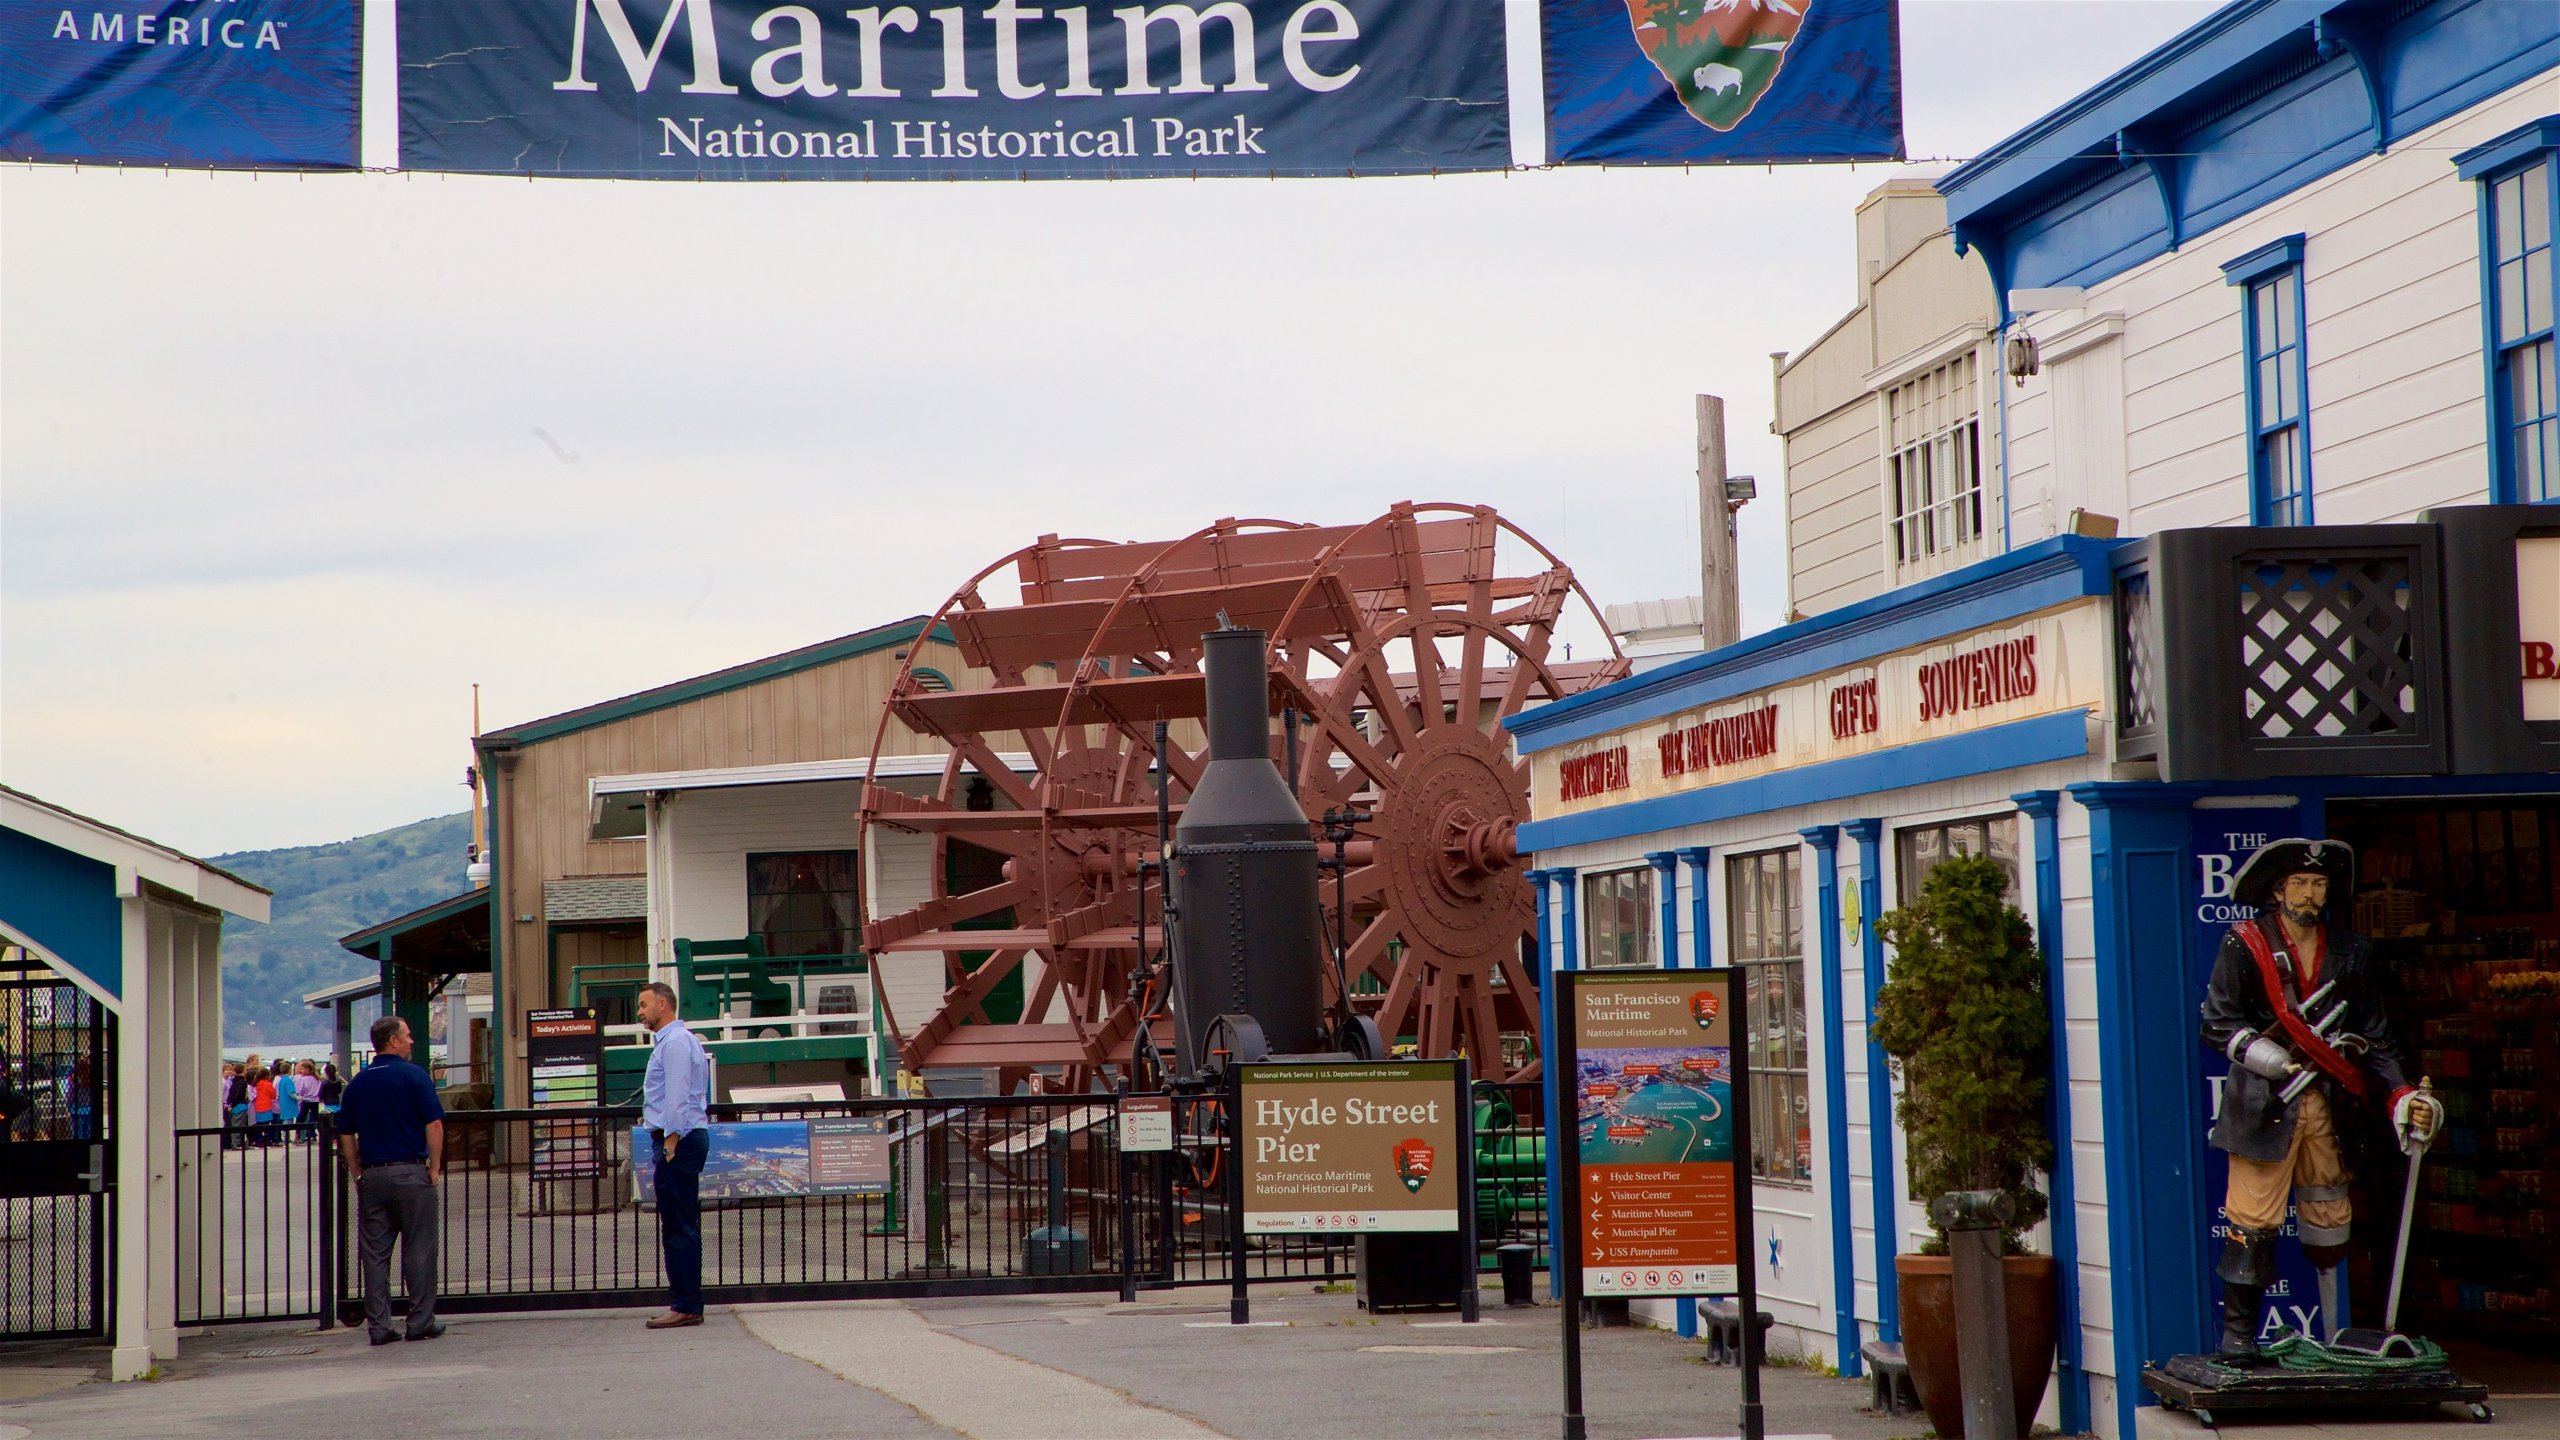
x=1245, y=872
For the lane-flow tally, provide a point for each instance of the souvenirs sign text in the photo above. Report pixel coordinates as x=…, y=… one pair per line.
x=2046, y=663
x=1349, y=1149
x=1656, y=1131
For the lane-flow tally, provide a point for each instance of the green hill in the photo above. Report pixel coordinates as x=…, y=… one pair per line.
x=323, y=892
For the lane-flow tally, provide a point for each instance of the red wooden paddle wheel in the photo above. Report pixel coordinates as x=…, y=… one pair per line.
x=1397, y=648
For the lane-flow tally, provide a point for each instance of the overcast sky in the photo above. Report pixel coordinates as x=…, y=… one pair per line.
x=287, y=464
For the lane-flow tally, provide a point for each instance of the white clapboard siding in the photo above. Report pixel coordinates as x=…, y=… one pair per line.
x=711, y=832
x=2391, y=307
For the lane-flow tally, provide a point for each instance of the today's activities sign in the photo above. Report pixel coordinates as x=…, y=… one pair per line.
x=1351, y=1149
x=996, y=89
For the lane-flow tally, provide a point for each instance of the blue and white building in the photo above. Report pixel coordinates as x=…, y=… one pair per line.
x=2179, y=479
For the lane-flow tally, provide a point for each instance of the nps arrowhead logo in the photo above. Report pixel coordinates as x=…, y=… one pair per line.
x=1703, y=1007
x=1413, y=1164
x=1720, y=56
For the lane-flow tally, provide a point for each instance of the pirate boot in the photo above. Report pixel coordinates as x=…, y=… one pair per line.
x=2247, y=1267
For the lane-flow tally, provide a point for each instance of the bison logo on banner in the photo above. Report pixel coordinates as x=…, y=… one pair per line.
x=1719, y=55
x=1413, y=1164
x=1678, y=82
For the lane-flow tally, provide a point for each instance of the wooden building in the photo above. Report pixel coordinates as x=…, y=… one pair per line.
x=561, y=897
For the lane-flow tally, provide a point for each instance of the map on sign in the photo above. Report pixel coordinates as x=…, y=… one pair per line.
x=1648, y=1106
x=1655, y=1134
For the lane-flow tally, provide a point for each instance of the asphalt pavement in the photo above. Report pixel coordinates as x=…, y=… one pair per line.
x=1169, y=1367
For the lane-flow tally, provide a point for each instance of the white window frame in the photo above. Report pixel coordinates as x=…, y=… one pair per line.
x=1639, y=878
x=1935, y=490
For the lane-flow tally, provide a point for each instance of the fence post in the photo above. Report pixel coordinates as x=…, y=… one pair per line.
x=325, y=1178
x=1128, y=1214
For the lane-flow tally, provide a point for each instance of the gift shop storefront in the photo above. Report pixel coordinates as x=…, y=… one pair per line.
x=2117, y=723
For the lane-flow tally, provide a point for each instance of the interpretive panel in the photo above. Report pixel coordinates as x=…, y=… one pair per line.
x=1655, y=1132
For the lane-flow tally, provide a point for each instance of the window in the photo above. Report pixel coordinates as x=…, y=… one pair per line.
x=1922, y=847
x=1617, y=921
x=805, y=904
x=2272, y=386
x=1933, y=463
x=1764, y=900
x=2518, y=201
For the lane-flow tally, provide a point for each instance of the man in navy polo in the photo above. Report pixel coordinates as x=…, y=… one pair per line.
x=391, y=1132
x=675, y=1109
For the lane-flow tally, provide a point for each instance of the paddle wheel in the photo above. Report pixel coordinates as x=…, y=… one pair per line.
x=1397, y=649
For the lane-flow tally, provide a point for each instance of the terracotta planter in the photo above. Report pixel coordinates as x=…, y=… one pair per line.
x=1929, y=1335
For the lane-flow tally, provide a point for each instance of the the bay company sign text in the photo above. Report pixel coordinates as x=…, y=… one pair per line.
x=2053, y=661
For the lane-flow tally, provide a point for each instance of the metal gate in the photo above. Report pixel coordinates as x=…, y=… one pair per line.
x=57, y=1056
x=1017, y=1195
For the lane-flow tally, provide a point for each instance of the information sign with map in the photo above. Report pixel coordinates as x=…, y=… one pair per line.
x=1656, y=1132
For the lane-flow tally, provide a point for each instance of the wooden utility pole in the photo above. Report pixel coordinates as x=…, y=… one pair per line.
x=1719, y=587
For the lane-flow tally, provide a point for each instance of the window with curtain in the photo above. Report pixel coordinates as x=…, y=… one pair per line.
x=1617, y=920
x=1764, y=896
x=806, y=903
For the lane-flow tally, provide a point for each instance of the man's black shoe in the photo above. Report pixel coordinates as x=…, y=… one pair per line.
x=433, y=1330
x=385, y=1339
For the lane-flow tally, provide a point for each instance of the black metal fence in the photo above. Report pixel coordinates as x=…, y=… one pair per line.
x=1012, y=1195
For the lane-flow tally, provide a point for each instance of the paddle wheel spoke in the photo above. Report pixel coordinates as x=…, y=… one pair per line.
x=1401, y=644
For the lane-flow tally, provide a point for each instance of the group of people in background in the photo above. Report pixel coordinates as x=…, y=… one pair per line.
x=260, y=1101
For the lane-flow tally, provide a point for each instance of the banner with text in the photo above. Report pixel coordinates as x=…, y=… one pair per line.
x=242, y=84
x=746, y=90
x=1672, y=82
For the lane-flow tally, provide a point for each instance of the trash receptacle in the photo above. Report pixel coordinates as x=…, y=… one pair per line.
x=1517, y=1262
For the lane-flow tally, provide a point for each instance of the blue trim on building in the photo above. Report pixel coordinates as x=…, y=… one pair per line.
x=2264, y=261
x=2255, y=102
x=2063, y=736
x=2041, y=807
x=1884, y=1193
x=1565, y=956
x=2487, y=165
x=2141, y=855
x=65, y=902
x=2028, y=579
x=1825, y=840
x=2277, y=264
x=1666, y=875
x=1702, y=950
x=2516, y=147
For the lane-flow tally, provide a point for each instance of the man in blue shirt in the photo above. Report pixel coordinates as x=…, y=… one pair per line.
x=675, y=1106
x=391, y=1133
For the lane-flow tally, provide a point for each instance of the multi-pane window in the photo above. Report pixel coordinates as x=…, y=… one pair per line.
x=809, y=903
x=1617, y=920
x=1765, y=911
x=2273, y=381
x=1923, y=847
x=2280, y=446
x=1933, y=463
x=2527, y=383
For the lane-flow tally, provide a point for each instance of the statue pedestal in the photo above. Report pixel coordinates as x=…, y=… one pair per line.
x=2212, y=1388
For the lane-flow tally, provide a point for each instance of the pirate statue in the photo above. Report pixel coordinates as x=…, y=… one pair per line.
x=2294, y=1004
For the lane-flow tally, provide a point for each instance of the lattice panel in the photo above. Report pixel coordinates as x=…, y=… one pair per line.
x=2325, y=649
x=2138, y=645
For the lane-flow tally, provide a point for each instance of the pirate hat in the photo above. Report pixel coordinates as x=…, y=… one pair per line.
x=2266, y=869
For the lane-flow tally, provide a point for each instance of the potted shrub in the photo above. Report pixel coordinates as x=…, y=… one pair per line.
x=1962, y=1012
